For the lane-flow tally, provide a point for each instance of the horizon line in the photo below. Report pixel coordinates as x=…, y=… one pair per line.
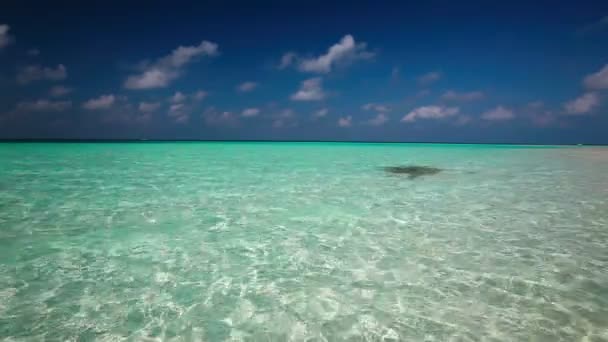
x=102, y=140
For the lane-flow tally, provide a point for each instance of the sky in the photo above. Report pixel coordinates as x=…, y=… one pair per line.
x=435, y=71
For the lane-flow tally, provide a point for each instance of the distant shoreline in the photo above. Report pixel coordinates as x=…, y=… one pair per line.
x=282, y=141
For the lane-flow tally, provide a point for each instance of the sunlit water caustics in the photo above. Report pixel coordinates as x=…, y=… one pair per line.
x=303, y=242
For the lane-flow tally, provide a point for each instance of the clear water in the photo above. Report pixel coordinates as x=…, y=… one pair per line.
x=302, y=241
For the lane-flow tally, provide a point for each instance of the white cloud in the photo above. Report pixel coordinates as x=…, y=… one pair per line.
x=376, y=107
x=166, y=69
x=36, y=73
x=153, y=78
x=226, y=118
x=33, y=52
x=44, y=106
x=310, y=90
x=379, y=120
x=178, y=97
x=582, y=104
x=497, y=114
x=5, y=38
x=249, y=112
x=184, y=54
x=320, y=113
x=598, y=80
x=345, y=121
x=147, y=107
x=287, y=60
x=125, y=113
x=429, y=78
x=341, y=53
x=246, y=87
x=430, y=112
x=175, y=108
x=179, y=113
x=213, y=116
x=452, y=95
x=200, y=95
x=59, y=90
x=102, y=102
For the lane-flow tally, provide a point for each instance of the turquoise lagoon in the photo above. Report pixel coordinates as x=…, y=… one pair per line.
x=302, y=242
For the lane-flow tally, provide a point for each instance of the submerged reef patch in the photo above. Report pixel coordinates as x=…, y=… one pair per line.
x=413, y=171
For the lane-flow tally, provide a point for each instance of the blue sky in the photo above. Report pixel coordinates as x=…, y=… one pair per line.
x=381, y=71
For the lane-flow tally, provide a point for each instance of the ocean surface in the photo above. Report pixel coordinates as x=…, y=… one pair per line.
x=302, y=242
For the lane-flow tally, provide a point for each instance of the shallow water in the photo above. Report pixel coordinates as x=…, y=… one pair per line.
x=302, y=241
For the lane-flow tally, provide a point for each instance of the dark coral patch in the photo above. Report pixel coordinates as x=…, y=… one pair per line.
x=413, y=171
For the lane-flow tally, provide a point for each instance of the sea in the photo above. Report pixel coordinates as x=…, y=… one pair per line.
x=286, y=241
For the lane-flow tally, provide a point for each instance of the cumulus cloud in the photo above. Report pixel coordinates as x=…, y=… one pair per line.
x=379, y=120
x=346, y=51
x=102, y=102
x=345, y=121
x=36, y=72
x=246, y=87
x=59, y=90
x=582, y=104
x=452, y=95
x=310, y=90
x=44, y=106
x=179, y=112
x=429, y=78
x=430, y=112
x=184, y=54
x=249, y=112
x=5, y=38
x=597, y=80
x=200, y=95
x=320, y=113
x=153, y=78
x=125, y=113
x=287, y=60
x=147, y=107
x=168, y=68
x=499, y=113
x=215, y=117
x=376, y=107
x=178, y=97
